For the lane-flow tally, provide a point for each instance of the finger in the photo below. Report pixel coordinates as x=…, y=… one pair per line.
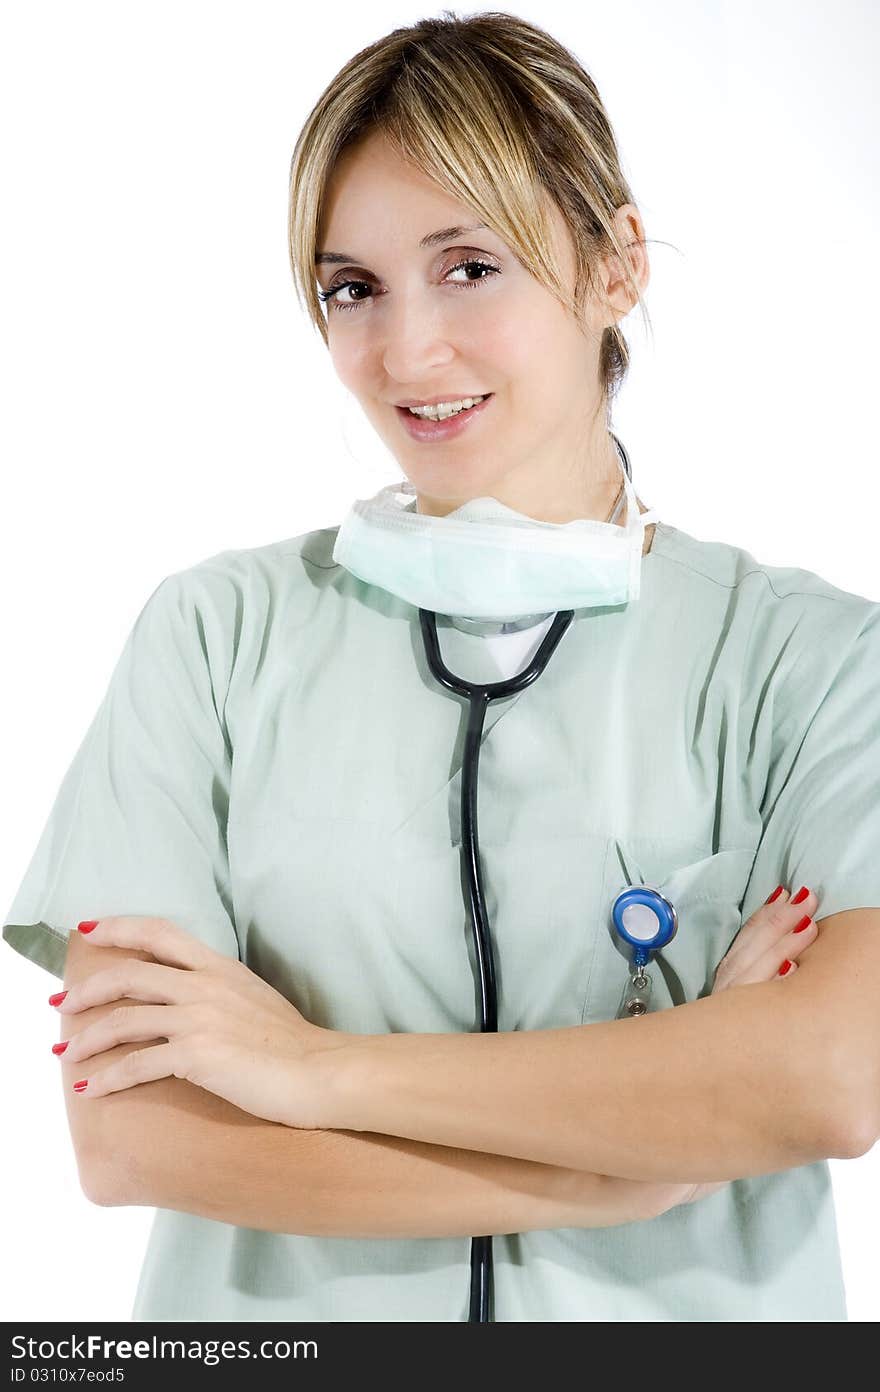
x=772, y=969
x=787, y=950
x=124, y=1025
x=131, y=978
x=140, y=1066
x=161, y=937
x=757, y=933
x=767, y=928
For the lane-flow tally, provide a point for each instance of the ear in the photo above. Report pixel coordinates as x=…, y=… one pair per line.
x=614, y=282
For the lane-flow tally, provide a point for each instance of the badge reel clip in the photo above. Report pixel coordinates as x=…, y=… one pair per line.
x=646, y=921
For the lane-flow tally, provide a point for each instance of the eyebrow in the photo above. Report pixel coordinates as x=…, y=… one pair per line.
x=445, y=234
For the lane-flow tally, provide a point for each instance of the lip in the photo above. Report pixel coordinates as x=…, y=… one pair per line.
x=427, y=430
x=435, y=400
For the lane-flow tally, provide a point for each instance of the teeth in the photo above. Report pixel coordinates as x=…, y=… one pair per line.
x=444, y=408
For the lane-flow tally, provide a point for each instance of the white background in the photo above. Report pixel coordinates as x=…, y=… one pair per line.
x=165, y=398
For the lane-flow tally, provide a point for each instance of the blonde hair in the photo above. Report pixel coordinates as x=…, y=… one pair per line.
x=500, y=115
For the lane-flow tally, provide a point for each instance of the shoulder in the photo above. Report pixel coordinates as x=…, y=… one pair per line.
x=786, y=626
x=242, y=582
x=224, y=610
x=740, y=577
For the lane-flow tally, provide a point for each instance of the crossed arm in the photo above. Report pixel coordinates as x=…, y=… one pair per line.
x=802, y=1086
x=227, y=1165
x=735, y=1084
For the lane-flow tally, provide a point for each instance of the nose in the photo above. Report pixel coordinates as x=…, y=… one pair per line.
x=416, y=332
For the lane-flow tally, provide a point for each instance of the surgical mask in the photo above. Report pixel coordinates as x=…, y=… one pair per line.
x=485, y=560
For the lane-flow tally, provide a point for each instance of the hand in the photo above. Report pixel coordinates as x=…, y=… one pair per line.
x=227, y=1029
x=761, y=946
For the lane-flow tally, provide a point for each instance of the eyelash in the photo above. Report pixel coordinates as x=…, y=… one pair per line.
x=326, y=295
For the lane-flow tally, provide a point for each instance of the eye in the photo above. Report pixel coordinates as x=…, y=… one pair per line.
x=334, y=290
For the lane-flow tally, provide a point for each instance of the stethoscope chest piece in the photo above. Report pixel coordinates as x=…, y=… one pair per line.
x=646, y=921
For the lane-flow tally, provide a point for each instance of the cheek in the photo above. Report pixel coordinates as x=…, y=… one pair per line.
x=534, y=369
x=560, y=364
x=552, y=336
x=350, y=363
x=500, y=345
x=528, y=347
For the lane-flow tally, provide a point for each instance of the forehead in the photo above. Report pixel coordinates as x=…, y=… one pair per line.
x=373, y=194
x=378, y=206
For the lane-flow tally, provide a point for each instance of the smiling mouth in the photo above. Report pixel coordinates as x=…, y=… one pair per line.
x=433, y=411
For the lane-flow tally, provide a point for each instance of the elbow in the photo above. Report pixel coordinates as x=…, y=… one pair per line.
x=859, y=1131
x=850, y=1139
x=850, y=1121
x=100, y=1184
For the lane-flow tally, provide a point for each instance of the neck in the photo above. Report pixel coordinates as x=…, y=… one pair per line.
x=592, y=491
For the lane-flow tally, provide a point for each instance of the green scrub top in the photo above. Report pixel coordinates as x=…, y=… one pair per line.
x=274, y=767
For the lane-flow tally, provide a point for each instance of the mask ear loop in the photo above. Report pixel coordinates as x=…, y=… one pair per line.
x=635, y=520
x=636, y=523
x=618, y=504
x=633, y=516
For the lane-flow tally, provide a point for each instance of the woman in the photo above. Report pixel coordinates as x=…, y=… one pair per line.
x=259, y=838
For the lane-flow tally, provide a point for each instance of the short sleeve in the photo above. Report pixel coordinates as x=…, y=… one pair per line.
x=138, y=825
x=821, y=827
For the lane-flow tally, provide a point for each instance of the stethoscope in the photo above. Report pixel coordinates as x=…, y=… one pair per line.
x=643, y=918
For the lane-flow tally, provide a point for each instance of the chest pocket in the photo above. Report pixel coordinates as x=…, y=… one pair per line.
x=706, y=891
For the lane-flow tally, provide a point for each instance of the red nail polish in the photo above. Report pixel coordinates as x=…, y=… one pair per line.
x=775, y=895
x=804, y=923
x=81, y=1085
x=59, y=1048
x=58, y=998
x=801, y=895
x=785, y=968
x=87, y=925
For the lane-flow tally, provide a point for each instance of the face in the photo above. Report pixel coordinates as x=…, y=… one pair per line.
x=459, y=316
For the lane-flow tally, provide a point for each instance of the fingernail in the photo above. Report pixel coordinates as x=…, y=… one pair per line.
x=801, y=895
x=775, y=895
x=81, y=1085
x=785, y=968
x=87, y=925
x=58, y=998
x=804, y=923
x=59, y=1048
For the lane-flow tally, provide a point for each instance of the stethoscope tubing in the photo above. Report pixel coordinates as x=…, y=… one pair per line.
x=479, y=696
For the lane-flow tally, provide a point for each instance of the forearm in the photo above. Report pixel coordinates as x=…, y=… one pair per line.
x=235, y=1168
x=735, y=1084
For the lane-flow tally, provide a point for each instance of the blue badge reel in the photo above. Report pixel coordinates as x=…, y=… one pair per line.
x=646, y=921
